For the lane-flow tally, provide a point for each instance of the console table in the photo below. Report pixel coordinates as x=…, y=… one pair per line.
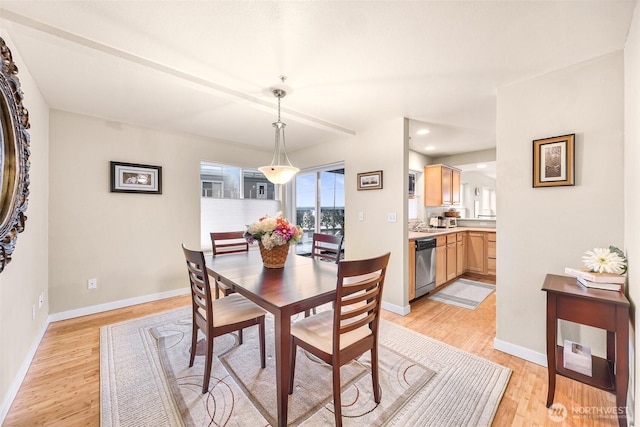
x=608, y=310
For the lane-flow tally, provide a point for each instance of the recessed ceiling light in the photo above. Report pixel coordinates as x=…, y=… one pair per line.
x=429, y=148
x=481, y=166
x=423, y=132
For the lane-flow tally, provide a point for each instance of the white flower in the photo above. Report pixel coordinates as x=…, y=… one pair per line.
x=604, y=260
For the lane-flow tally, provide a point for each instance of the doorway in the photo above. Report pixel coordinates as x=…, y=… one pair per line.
x=319, y=202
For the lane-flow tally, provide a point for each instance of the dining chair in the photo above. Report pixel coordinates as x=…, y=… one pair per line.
x=220, y=316
x=343, y=334
x=227, y=242
x=326, y=247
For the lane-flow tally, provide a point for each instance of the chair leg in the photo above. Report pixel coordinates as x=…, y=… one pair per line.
x=194, y=342
x=292, y=363
x=261, y=332
x=375, y=375
x=207, y=366
x=337, y=401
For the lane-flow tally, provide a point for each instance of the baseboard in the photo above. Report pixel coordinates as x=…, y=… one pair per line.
x=521, y=352
x=402, y=311
x=22, y=373
x=85, y=311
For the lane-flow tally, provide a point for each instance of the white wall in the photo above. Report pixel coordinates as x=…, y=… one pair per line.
x=543, y=230
x=129, y=242
x=25, y=277
x=632, y=183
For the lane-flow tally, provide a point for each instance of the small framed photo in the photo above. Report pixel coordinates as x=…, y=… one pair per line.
x=554, y=161
x=370, y=180
x=135, y=178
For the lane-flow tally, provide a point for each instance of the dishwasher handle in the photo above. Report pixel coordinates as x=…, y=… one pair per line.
x=425, y=243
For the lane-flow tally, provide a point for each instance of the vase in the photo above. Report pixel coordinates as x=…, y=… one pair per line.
x=274, y=258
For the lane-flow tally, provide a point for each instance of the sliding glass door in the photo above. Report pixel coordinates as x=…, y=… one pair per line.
x=319, y=198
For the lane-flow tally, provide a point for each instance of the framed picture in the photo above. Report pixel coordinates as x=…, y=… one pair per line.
x=370, y=180
x=554, y=161
x=134, y=178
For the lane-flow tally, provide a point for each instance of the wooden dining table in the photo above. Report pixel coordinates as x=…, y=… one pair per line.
x=302, y=284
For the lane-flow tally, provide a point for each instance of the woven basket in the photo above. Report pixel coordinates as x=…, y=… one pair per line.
x=274, y=258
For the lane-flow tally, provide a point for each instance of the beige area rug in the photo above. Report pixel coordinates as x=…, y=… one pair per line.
x=464, y=293
x=145, y=381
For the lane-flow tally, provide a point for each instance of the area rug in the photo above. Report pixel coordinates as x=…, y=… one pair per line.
x=464, y=293
x=145, y=380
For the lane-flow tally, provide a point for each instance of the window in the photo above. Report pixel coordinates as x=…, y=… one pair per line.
x=232, y=197
x=319, y=190
x=224, y=182
x=256, y=186
x=220, y=181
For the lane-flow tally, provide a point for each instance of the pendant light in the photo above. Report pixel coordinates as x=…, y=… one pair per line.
x=281, y=170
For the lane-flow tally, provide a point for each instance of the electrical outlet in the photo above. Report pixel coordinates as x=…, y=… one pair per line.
x=41, y=300
x=361, y=216
x=92, y=284
x=33, y=312
x=391, y=217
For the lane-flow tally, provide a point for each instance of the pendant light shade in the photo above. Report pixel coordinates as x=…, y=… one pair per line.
x=280, y=171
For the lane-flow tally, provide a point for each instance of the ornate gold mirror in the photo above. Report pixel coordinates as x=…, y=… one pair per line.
x=14, y=157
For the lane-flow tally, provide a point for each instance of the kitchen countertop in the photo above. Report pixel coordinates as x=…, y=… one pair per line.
x=443, y=231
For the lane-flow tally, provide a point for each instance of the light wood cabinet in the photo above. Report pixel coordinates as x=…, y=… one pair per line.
x=452, y=254
x=412, y=269
x=455, y=186
x=441, y=185
x=441, y=260
x=491, y=253
x=476, y=252
x=461, y=253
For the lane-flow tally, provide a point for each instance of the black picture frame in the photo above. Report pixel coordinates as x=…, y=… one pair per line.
x=135, y=178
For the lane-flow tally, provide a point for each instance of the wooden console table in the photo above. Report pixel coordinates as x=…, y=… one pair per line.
x=608, y=310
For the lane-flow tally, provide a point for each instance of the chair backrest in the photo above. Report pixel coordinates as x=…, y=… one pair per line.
x=227, y=242
x=358, y=296
x=200, y=288
x=327, y=246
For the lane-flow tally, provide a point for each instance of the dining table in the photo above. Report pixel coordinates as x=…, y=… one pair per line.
x=302, y=284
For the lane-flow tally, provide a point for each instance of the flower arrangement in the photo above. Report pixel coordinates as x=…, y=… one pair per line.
x=605, y=260
x=273, y=232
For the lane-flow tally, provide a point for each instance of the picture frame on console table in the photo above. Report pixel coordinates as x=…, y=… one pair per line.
x=135, y=178
x=554, y=161
x=370, y=180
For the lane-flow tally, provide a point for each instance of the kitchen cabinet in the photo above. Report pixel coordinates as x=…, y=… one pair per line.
x=476, y=252
x=452, y=253
x=491, y=253
x=441, y=185
x=412, y=269
x=461, y=253
x=441, y=260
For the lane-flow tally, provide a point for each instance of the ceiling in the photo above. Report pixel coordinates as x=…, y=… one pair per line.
x=208, y=67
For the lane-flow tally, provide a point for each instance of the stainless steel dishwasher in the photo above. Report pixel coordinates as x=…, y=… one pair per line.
x=425, y=265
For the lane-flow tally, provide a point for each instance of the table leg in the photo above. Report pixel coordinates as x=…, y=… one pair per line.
x=551, y=346
x=622, y=363
x=283, y=348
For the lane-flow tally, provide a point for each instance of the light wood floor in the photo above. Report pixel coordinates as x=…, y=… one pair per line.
x=62, y=387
